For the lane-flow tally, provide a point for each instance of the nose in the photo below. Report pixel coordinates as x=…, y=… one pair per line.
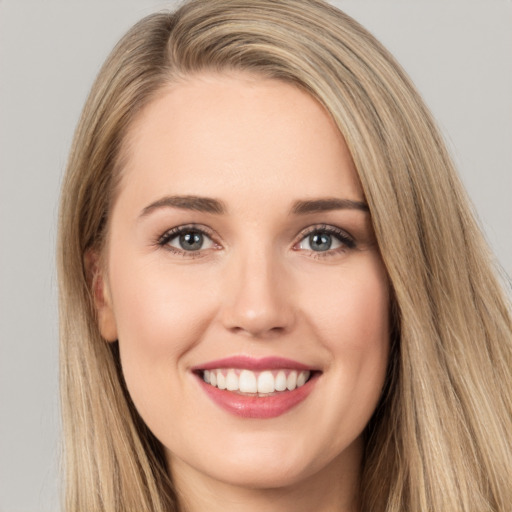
x=258, y=301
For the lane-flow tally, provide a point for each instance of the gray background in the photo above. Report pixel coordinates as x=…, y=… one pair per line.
x=457, y=52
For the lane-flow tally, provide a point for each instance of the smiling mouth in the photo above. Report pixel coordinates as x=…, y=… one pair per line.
x=255, y=383
x=256, y=388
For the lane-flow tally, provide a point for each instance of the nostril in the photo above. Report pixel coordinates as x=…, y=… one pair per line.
x=257, y=302
x=260, y=332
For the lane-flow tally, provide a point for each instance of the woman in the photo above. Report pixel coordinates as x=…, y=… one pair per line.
x=273, y=291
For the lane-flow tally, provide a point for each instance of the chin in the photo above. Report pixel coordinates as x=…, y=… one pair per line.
x=257, y=475
x=273, y=464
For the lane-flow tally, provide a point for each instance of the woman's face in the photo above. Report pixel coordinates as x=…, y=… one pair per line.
x=240, y=244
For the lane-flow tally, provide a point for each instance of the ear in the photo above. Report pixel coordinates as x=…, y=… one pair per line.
x=98, y=282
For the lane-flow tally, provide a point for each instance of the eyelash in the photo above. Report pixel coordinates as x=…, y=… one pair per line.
x=171, y=234
x=346, y=240
x=343, y=237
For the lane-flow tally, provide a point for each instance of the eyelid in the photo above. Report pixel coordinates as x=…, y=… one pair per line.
x=164, y=239
x=342, y=235
x=172, y=232
x=346, y=239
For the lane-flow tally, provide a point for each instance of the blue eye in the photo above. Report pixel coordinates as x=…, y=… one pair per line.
x=326, y=239
x=190, y=241
x=186, y=239
x=320, y=241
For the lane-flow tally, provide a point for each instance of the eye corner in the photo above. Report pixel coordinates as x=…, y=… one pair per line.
x=198, y=235
x=343, y=241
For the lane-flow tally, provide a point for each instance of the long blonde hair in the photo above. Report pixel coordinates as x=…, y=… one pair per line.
x=441, y=438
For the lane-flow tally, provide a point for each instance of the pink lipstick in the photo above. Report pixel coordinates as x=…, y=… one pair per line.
x=256, y=388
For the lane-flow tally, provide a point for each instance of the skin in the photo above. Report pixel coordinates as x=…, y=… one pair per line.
x=256, y=287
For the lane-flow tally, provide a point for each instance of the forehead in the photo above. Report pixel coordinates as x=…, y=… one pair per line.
x=240, y=136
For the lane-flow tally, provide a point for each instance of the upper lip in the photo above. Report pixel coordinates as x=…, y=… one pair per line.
x=251, y=363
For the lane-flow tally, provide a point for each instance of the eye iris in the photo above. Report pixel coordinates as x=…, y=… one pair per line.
x=191, y=241
x=320, y=241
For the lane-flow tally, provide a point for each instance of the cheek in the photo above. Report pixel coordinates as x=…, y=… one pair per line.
x=351, y=319
x=351, y=306
x=157, y=307
x=160, y=316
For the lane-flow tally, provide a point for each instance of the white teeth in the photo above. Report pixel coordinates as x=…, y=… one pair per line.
x=281, y=381
x=291, y=381
x=301, y=379
x=247, y=381
x=221, y=380
x=266, y=382
x=232, y=381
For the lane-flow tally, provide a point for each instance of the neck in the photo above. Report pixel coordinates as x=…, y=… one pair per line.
x=334, y=488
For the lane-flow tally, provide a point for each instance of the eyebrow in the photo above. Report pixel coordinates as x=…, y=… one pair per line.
x=327, y=204
x=210, y=205
x=195, y=203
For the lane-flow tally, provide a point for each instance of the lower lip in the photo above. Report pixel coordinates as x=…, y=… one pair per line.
x=258, y=407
